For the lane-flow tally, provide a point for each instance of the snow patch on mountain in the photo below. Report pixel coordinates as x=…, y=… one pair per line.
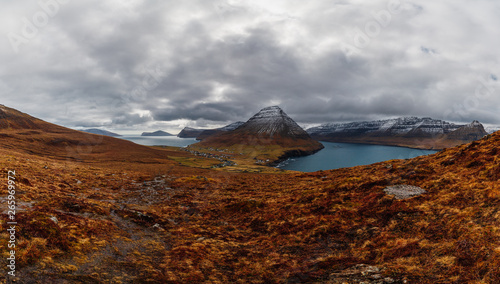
x=396, y=126
x=492, y=128
x=231, y=126
x=273, y=120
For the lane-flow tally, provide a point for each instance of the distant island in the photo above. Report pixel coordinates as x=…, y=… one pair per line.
x=156, y=133
x=101, y=132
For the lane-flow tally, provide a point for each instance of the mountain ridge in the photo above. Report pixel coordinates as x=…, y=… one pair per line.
x=413, y=132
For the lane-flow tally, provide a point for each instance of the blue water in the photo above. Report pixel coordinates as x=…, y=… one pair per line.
x=333, y=156
x=160, y=140
x=342, y=155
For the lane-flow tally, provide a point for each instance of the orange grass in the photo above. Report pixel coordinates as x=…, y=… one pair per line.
x=137, y=216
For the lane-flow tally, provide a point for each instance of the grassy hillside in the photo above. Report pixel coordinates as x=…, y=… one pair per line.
x=137, y=215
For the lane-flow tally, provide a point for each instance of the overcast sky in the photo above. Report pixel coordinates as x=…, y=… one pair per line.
x=156, y=64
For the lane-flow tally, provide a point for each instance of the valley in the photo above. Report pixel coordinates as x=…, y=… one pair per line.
x=94, y=209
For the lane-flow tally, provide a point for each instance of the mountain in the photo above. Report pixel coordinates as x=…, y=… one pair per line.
x=189, y=132
x=468, y=133
x=415, y=132
x=210, y=132
x=156, y=133
x=492, y=128
x=11, y=119
x=269, y=136
x=101, y=132
x=141, y=214
x=23, y=132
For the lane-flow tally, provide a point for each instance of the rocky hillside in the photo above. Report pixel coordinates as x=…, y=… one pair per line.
x=425, y=133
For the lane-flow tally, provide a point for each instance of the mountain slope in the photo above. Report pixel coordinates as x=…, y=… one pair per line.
x=11, y=119
x=424, y=133
x=189, y=132
x=269, y=135
x=101, y=132
x=210, y=132
x=468, y=133
x=22, y=132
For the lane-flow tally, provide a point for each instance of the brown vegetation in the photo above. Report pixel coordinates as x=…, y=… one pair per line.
x=103, y=210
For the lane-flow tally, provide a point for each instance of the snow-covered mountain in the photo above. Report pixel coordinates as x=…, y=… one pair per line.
x=232, y=126
x=492, y=128
x=270, y=131
x=396, y=126
x=405, y=131
x=273, y=121
x=269, y=121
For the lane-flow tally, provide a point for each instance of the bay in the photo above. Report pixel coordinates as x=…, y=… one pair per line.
x=343, y=155
x=333, y=156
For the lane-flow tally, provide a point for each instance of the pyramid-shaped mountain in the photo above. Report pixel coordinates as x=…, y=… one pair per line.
x=270, y=129
x=274, y=122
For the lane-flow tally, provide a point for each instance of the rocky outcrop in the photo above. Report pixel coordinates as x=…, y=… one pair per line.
x=403, y=191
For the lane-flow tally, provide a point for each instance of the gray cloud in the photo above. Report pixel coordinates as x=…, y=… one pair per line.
x=142, y=64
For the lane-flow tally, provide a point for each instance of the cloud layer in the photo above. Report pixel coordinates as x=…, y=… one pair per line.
x=167, y=64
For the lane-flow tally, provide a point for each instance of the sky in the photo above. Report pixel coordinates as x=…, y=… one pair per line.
x=140, y=65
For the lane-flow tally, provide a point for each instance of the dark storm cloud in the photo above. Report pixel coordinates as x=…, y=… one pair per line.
x=210, y=111
x=138, y=64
